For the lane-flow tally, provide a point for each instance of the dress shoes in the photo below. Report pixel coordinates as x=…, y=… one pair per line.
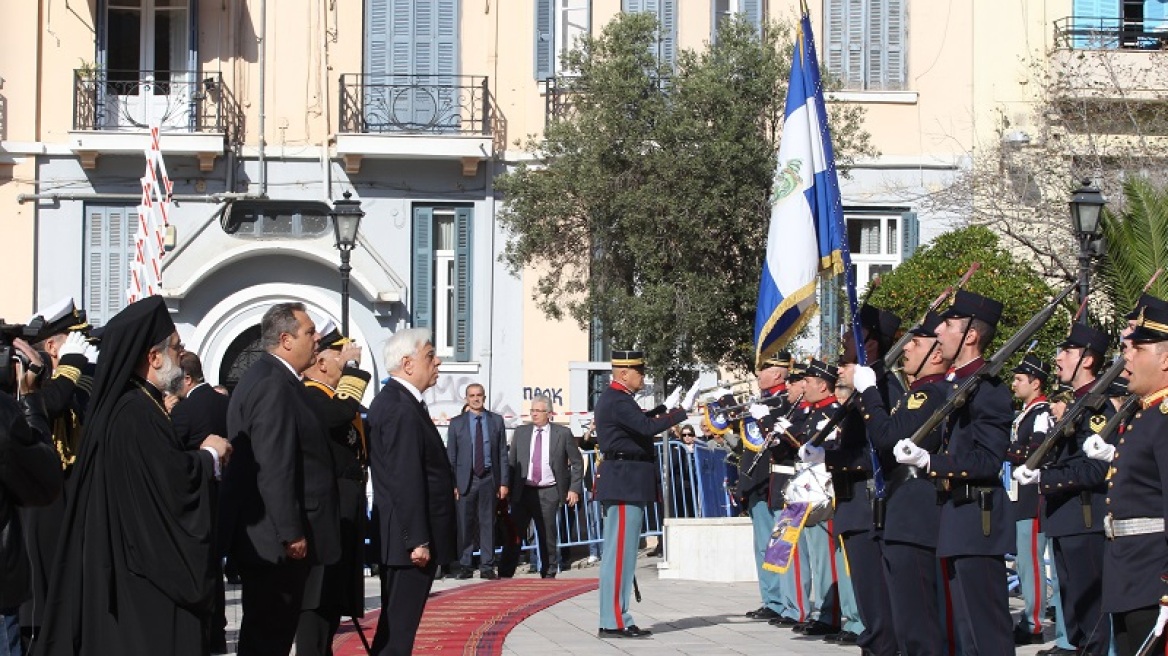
x=1056, y=651
x=784, y=621
x=631, y=631
x=1024, y=636
x=548, y=575
x=764, y=613
x=815, y=628
x=464, y=574
x=842, y=638
x=488, y=574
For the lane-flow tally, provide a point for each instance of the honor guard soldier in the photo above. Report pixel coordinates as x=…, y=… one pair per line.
x=852, y=476
x=754, y=486
x=335, y=385
x=627, y=482
x=1135, y=552
x=1073, y=488
x=912, y=517
x=975, y=530
x=1029, y=430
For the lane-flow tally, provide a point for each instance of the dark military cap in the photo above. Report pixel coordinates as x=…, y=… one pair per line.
x=1084, y=336
x=780, y=359
x=1062, y=392
x=881, y=324
x=798, y=372
x=628, y=358
x=1145, y=301
x=928, y=327
x=821, y=369
x=1117, y=388
x=1034, y=367
x=61, y=317
x=1151, y=324
x=967, y=304
x=331, y=337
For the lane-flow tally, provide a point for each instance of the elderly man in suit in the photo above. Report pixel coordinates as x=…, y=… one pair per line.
x=477, y=446
x=546, y=471
x=279, y=511
x=413, y=490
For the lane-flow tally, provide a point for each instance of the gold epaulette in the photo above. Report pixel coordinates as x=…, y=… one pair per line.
x=353, y=383
x=68, y=371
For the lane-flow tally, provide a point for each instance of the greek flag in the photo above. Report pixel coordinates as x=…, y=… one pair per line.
x=806, y=235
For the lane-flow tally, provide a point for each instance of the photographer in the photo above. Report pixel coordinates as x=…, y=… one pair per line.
x=30, y=475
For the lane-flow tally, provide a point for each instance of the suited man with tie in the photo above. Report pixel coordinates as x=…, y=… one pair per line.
x=546, y=472
x=413, y=490
x=280, y=510
x=477, y=446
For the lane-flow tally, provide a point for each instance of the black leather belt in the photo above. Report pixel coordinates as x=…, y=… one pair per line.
x=634, y=457
x=965, y=491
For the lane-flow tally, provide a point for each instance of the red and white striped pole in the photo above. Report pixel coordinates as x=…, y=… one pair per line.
x=153, y=219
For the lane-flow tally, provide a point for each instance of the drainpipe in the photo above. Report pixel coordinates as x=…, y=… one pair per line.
x=263, y=39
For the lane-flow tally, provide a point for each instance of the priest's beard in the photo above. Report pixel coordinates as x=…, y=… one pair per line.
x=170, y=376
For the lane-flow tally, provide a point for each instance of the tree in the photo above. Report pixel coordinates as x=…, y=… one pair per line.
x=1136, y=242
x=910, y=287
x=651, y=196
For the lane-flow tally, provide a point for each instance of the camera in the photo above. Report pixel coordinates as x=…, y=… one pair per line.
x=9, y=355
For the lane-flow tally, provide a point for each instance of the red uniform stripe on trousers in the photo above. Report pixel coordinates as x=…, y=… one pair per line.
x=798, y=584
x=620, y=566
x=948, y=608
x=1039, y=578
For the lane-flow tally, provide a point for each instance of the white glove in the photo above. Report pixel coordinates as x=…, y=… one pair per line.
x=75, y=343
x=1027, y=476
x=908, y=453
x=691, y=396
x=830, y=436
x=714, y=395
x=760, y=411
x=674, y=398
x=863, y=378
x=782, y=424
x=812, y=455
x=91, y=353
x=1161, y=620
x=1096, y=447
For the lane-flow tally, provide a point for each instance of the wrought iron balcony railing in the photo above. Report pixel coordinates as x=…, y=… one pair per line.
x=181, y=101
x=1111, y=33
x=557, y=98
x=416, y=104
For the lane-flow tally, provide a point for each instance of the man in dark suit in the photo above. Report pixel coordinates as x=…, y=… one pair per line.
x=546, y=472
x=477, y=446
x=280, y=512
x=203, y=412
x=413, y=490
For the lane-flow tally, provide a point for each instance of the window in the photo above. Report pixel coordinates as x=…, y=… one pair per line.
x=666, y=13
x=411, y=65
x=724, y=9
x=558, y=26
x=146, y=55
x=277, y=219
x=109, y=241
x=866, y=43
x=878, y=242
x=441, y=279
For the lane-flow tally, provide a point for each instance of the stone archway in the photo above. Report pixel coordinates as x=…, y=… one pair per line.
x=240, y=355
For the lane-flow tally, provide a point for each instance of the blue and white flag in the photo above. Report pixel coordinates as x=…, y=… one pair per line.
x=807, y=234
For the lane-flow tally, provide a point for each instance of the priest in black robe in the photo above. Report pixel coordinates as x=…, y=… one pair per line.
x=133, y=572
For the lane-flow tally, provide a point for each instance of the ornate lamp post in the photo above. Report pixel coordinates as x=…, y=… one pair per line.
x=1086, y=207
x=346, y=219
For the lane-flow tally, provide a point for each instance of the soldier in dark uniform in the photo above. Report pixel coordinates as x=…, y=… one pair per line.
x=975, y=531
x=1135, y=552
x=1073, y=489
x=912, y=517
x=626, y=483
x=335, y=386
x=1029, y=429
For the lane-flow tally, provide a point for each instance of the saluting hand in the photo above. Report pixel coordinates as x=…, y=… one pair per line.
x=351, y=351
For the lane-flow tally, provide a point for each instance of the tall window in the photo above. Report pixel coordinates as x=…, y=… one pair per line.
x=441, y=281
x=866, y=43
x=146, y=57
x=666, y=13
x=558, y=26
x=724, y=9
x=411, y=65
x=109, y=242
x=879, y=242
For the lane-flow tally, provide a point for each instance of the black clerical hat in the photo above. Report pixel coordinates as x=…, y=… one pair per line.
x=627, y=358
x=821, y=369
x=1034, y=367
x=928, y=327
x=968, y=304
x=1084, y=336
x=1151, y=325
x=881, y=324
x=1146, y=300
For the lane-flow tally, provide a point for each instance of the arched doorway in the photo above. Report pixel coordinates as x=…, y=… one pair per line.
x=240, y=355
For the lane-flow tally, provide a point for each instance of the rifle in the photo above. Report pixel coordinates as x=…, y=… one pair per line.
x=991, y=367
x=773, y=437
x=891, y=357
x=1092, y=401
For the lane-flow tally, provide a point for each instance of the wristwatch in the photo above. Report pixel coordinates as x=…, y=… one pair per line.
x=352, y=364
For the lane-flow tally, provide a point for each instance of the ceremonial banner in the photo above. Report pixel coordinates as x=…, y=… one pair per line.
x=806, y=234
x=785, y=537
x=153, y=219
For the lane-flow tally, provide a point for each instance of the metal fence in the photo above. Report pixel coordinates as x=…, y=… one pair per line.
x=416, y=104
x=182, y=101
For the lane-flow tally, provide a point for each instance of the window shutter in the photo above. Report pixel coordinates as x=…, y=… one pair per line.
x=877, y=37
x=545, y=54
x=445, y=30
x=109, y=242
x=853, y=76
x=377, y=39
x=910, y=234
x=829, y=312
x=895, y=37
x=753, y=11
x=633, y=6
x=667, y=31
x=422, y=275
x=463, y=282
x=836, y=38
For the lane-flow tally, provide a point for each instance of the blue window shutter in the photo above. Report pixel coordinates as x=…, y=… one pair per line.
x=829, y=312
x=753, y=11
x=422, y=275
x=633, y=6
x=463, y=282
x=910, y=234
x=545, y=54
x=835, y=19
x=109, y=240
x=895, y=37
x=376, y=39
x=667, y=31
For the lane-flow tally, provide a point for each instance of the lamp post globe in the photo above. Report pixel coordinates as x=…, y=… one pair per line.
x=1086, y=206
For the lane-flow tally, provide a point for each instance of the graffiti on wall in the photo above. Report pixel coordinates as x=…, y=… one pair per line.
x=555, y=394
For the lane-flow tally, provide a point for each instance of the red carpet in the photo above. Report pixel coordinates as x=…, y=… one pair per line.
x=472, y=619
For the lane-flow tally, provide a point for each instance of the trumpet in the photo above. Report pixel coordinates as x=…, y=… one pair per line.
x=727, y=386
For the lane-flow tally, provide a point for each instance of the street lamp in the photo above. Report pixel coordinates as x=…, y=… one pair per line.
x=346, y=219
x=1086, y=207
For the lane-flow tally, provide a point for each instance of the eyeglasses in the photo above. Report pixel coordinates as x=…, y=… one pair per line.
x=687, y=435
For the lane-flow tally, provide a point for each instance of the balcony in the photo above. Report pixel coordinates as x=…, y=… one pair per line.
x=557, y=99
x=1110, y=60
x=113, y=112
x=416, y=117
x=1110, y=33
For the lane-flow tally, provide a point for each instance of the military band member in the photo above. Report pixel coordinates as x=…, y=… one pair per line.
x=912, y=517
x=1135, y=552
x=1073, y=489
x=975, y=529
x=1029, y=429
x=627, y=482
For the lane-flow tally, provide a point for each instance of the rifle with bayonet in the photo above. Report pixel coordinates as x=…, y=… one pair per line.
x=991, y=367
x=1093, y=401
x=1121, y=416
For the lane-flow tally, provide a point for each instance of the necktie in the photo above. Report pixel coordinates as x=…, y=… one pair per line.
x=480, y=465
x=537, y=457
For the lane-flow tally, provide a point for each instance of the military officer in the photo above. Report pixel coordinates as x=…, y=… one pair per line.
x=626, y=483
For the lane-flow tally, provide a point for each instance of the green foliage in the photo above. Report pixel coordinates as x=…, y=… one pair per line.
x=651, y=197
x=911, y=287
x=1136, y=246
